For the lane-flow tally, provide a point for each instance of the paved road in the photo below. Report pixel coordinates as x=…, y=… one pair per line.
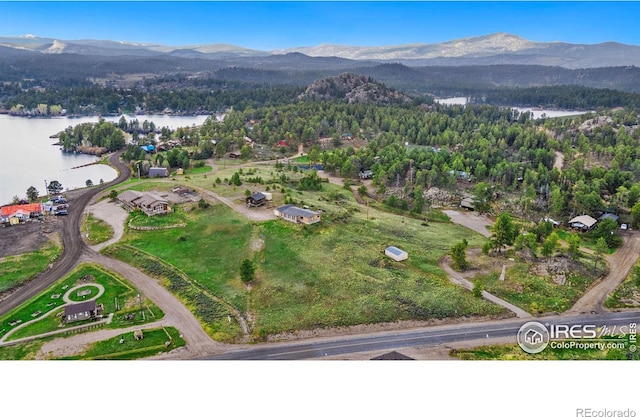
x=71, y=240
x=412, y=338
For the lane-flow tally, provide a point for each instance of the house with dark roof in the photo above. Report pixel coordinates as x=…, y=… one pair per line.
x=256, y=200
x=392, y=356
x=80, y=311
x=608, y=216
x=293, y=214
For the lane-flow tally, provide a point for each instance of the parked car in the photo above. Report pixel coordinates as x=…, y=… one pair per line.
x=60, y=200
x=61, y=213
x=624, y=226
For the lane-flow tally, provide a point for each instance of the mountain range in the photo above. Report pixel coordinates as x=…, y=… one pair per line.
x=494, y=49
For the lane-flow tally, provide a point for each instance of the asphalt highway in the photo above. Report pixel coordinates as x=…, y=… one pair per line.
x=71, y=240
x=430, y=336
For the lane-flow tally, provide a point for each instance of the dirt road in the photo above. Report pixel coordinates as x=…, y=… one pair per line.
x=471, y=221
x=620, y=264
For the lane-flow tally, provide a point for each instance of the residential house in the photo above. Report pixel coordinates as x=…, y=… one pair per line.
x=22, y=211
x=583, y=222
x=392, y=356
x=234, y=155
x=152, y=204
x=81, y=311
x=396, y=254
x=609, y=216
x=256, y=200
x=291, y=213
x=149, y=203
x=158, y=172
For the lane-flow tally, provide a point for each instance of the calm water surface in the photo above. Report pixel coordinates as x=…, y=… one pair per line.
x=28, y=158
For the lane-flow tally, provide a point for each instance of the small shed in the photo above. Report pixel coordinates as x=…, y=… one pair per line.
x=396, y=254
x=158, y=172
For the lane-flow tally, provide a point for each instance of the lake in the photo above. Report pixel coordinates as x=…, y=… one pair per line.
x=536, y=113
x=28, y=158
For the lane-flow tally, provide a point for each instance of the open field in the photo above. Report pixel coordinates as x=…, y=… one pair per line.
x=330, y=274
x=41, y=314
x=152, y=343
x=536, y=292
x=17, y=269
x=95, y=230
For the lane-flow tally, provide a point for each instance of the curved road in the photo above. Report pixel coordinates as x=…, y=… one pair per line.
x=72, y=243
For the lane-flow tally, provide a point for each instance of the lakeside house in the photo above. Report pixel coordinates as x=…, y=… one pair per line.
x=293, y=214
x=151, y=204
x=20, y=212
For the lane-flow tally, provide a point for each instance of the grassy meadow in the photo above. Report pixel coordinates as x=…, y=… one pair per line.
x=15, y=270
x=333, y=273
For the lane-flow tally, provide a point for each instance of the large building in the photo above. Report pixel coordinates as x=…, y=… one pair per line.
x=294, y=214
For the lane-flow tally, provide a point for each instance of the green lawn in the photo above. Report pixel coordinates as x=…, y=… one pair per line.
x=176, y=218
x=329, y=274
x=152, y=343
x=15, y=270
x=117, y=290
x=95, y=230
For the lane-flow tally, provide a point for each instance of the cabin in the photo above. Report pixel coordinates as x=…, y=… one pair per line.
x=155, y=172
x=396, y=254
x=256, y=200
x=234, y=155
x=583, y=222
x=293, y=214
x=81, y=311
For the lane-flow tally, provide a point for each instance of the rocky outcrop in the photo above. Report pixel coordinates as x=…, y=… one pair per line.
x=353, y=89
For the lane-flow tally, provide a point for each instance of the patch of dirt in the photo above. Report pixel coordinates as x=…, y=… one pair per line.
x=27, y=237
x=557, y=268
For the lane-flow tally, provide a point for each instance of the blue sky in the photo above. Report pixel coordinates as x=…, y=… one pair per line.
x=274, y=25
